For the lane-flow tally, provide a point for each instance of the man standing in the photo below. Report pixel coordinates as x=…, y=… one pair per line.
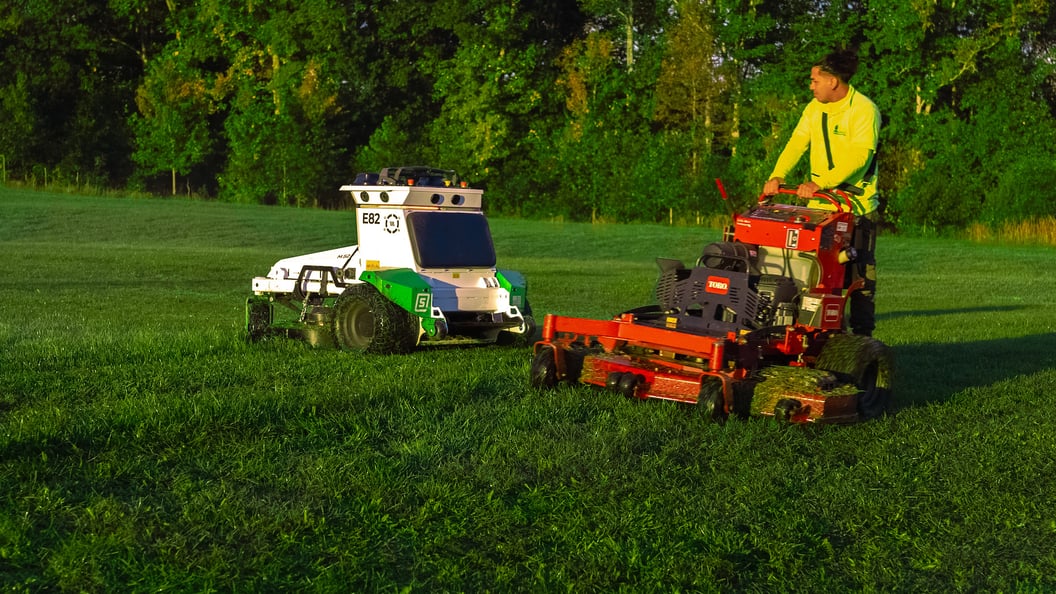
x=840, y=128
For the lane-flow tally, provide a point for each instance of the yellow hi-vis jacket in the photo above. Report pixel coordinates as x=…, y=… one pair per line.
x=842, y=137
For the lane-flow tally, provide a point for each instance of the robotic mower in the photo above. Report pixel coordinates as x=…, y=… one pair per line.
x=756, y=327
x=423, y=272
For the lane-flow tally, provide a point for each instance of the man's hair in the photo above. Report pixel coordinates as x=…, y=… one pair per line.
x=841, y=64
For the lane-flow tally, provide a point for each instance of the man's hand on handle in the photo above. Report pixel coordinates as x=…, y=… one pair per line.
x=804, y=190
x=772, y=186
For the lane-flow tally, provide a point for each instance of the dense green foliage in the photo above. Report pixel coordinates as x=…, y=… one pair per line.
x=144, y=446
x=614, y=109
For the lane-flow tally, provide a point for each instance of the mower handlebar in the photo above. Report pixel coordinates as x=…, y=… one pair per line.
x=838, y=196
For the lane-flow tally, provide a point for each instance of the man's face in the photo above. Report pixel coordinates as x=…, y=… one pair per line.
x=823, y=85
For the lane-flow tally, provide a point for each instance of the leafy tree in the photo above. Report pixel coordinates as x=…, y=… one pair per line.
x=946, y=193
x=944, y=59
x=172, y=126
x=765, y=49
x=1014, y=139
x=626, y=22
x=580, y=156
x=389, y=145
x=391, y=59
x=60, y=58
x=20, y=121
x=601, y=156
x=621, y=108
x=690, y=87
x=492, y=89
x=275, y=96
x=141, y=26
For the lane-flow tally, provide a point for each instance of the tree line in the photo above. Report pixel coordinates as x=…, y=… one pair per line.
x=617, y=109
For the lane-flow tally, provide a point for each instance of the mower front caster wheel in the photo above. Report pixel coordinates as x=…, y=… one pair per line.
x=543, y=374
x=786, y=408
x=625, y=383
x=710, y=400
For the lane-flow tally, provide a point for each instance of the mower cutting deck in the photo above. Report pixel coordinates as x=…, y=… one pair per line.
x=756, y=327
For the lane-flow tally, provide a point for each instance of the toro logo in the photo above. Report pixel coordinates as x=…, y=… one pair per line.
x=717, y=285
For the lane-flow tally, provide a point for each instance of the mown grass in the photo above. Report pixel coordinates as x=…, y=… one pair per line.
x=145, y=446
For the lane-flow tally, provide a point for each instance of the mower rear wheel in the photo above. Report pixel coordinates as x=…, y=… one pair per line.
x=543, y=374
x=365, y=321
x=258, y=318
x=873, y=400
x=865, y=362
x=710, y=401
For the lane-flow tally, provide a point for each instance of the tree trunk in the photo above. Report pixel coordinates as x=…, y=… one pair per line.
x=629, y=28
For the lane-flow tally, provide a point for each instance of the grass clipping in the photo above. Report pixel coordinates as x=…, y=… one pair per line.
x=782, y=381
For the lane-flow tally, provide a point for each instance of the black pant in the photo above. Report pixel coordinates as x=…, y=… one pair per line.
x=863, y=306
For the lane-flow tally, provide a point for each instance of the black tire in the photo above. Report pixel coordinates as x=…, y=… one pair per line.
x=874, y=400
x=628, y=384
x=258, y=318
x=507, y=338
x=530, y=330
x=543, y=374
x=367, y=322
x=711, y=401
x=786, y=408
x=865, y=362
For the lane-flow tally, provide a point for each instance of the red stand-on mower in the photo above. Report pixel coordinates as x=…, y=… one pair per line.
x=755, y=328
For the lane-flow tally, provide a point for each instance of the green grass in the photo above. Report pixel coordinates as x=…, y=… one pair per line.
x=145, y=446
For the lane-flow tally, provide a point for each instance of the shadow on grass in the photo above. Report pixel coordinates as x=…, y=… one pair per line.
x=891, y=315
x=933, y=372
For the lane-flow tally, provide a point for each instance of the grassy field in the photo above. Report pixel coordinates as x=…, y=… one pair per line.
x=144, y=445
